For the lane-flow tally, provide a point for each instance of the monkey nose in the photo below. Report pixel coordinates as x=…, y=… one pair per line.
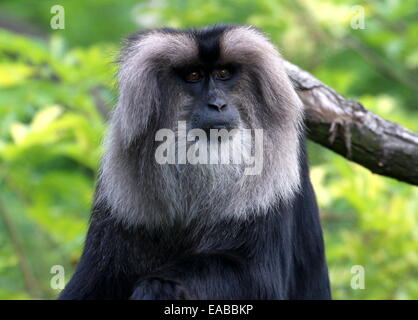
x=217, y=105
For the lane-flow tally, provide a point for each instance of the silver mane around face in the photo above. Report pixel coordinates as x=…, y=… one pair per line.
x=140, y=191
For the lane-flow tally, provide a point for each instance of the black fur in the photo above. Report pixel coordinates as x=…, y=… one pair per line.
x=209, y=43
x=276, y=256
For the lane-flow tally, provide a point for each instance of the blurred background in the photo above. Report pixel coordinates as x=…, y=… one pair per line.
x=57, y=87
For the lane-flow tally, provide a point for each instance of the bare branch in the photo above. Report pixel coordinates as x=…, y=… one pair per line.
x=347, y=128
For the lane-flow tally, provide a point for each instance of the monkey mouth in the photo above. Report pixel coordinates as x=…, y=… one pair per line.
x=216, y=124
x=219, y=126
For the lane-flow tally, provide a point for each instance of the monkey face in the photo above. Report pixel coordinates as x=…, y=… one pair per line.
x=210, y=88
x=222, y=77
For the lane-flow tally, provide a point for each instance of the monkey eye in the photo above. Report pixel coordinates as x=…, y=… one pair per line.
x=193, y=76
x=223, y=74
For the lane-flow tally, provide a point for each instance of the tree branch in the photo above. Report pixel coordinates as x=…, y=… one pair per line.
x=350, y=130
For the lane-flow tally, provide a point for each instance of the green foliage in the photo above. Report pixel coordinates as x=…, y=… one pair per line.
x=49, y=149
x=54, y=94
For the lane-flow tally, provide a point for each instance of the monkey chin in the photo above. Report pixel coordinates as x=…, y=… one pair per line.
x=216, y=147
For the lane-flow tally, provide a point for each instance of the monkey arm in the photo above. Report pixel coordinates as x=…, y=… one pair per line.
x=120, y=263
x=198, y=276
x=130, y=263
x=111, y=267
x=160, y=289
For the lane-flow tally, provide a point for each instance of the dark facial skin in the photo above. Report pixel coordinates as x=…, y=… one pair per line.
x=210, y=87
